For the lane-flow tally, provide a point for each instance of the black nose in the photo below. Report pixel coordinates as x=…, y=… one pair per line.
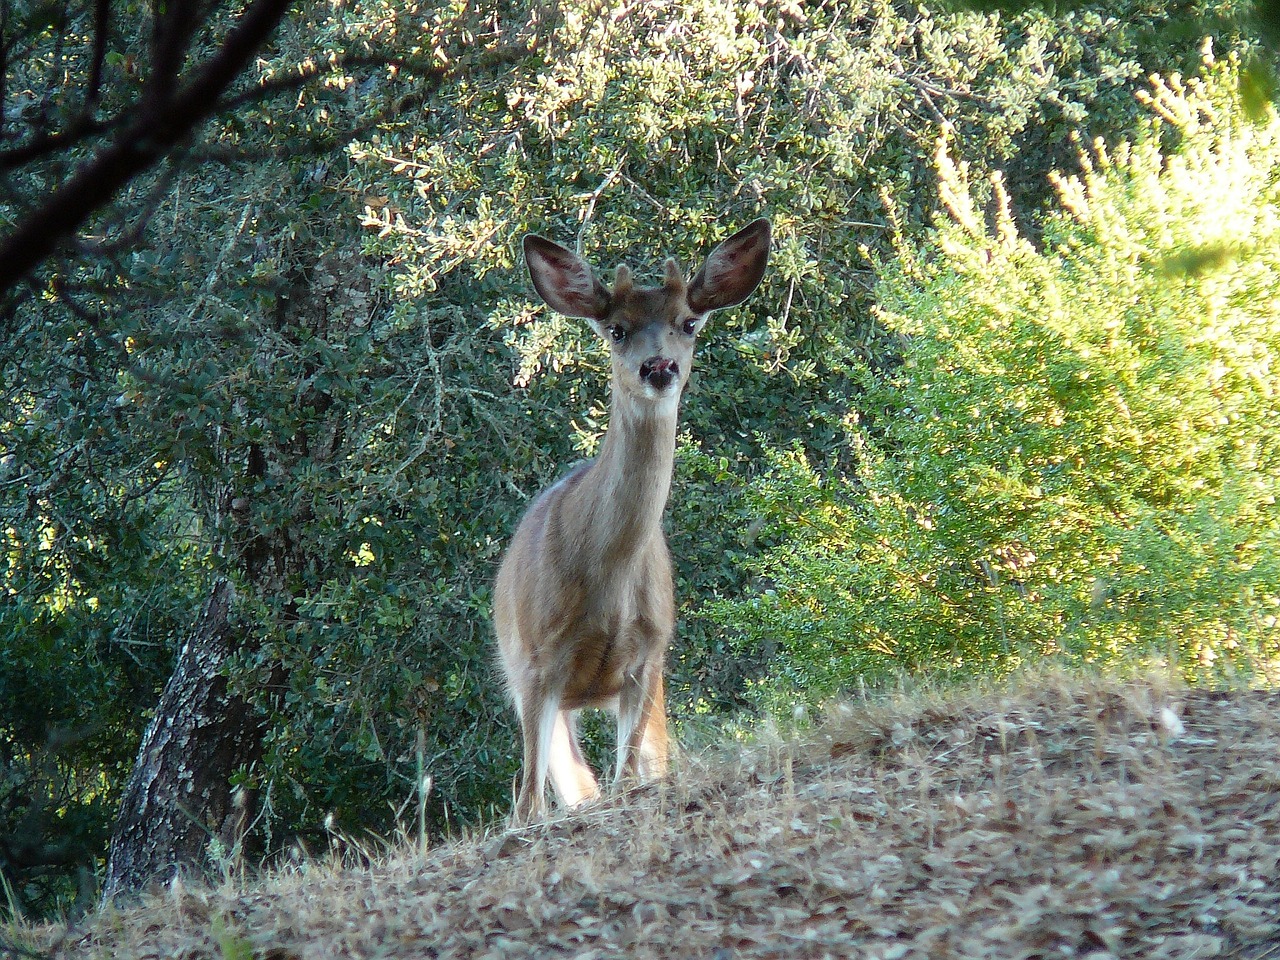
x=659, y=372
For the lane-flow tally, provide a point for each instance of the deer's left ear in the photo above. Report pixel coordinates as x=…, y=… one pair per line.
x=733, y=270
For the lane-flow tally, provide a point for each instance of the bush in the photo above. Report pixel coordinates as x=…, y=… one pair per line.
x=1079, y=453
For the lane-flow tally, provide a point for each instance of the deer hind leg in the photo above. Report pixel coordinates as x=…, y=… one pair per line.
x=642, y=725
x=570, y=775
x=653, y=747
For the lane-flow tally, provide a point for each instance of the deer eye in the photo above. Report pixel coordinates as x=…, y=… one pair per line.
x=690, y=326
x=618, y=333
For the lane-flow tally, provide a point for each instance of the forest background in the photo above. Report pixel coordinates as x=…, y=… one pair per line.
x=292, y=381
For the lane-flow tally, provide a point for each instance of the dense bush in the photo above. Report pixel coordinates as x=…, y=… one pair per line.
x=1079, y=453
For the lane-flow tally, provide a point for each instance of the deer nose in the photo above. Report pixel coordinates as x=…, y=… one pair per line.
x=659, y=372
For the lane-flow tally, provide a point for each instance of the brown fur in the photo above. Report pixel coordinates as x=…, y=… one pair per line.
x=583, y=604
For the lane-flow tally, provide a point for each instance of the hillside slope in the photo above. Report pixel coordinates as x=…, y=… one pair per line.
x=1064, y=818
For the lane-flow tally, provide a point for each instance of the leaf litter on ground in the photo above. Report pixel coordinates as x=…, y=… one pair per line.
x=1060, y=817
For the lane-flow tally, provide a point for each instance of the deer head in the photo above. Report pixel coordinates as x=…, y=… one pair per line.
x=651, y=331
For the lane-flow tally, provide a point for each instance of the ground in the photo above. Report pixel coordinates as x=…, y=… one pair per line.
x=1053, y=818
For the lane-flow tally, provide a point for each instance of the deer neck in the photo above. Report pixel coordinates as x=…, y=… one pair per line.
x=625, y=491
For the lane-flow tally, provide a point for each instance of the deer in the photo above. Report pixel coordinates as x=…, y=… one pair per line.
x=584, y=604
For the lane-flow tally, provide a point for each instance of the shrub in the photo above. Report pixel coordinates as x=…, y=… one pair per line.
x=1079, y=453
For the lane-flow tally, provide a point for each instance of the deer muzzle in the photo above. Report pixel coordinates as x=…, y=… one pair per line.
x=659, y=372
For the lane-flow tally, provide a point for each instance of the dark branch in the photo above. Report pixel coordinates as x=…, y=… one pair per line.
x=101, y=29
x=85, y=126
x=4, y=63
x=132, y=235
x=140, y=145
x=300, y=78
x=47, y=143
x=173, y=28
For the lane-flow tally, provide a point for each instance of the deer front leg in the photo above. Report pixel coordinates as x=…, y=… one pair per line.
x=538, y=710
x=642, y=725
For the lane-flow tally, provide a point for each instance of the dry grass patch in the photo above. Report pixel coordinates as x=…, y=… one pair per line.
x=1069, y=818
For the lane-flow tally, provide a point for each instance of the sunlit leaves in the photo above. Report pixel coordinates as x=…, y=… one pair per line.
x=1079, y=453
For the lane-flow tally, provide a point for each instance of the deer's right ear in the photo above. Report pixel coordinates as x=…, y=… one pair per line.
x=564, y=280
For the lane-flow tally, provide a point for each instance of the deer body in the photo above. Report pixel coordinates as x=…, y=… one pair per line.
x=583, y=603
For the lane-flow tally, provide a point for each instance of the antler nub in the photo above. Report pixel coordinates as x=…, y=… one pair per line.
x=675, y=276
x=622, y=282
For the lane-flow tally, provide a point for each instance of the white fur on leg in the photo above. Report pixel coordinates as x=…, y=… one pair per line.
x=630, y=706
x=547, y=714
x=570, y=775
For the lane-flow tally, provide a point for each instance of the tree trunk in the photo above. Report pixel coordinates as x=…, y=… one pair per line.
x=178, y=799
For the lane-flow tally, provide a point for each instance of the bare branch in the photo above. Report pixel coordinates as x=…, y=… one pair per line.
x=424, y=69
x=141, y=144
x=101, y=28
x=4, y=63
x=46, y=143
x=172, y=30
x=51, y=85
x=132, y=234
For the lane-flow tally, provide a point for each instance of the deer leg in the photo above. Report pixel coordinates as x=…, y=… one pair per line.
x=572, y=778
x=642, y=725
x=652, y=732
x=538, y=714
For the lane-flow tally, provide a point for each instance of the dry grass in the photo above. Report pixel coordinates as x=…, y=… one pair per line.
x=1066, y=818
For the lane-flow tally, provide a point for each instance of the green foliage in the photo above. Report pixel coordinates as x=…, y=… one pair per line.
x=1078, y=454
x=137, y=389
x=97, y=578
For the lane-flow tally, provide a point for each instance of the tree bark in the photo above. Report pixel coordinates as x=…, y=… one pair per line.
x=178, y=798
